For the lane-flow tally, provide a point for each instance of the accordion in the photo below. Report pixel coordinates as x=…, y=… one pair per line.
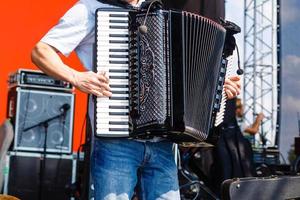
x=166, y=82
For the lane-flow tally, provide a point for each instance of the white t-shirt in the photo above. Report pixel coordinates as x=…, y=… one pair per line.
x=76, y=31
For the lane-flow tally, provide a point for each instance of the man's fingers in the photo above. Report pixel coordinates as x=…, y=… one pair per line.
x=107, y=93
x=105, y=86
x=235, y=84
x=97, y=93
x=102, y=76
x=234, y=78
x=229, y=94
x=230, y=91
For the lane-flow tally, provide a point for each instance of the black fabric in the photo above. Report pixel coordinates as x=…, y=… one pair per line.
x=123, y=4
x=116, y=3
x=230, y=158
x=213, y=9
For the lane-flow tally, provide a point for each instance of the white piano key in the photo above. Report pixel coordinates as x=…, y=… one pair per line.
x=113, y=121
x=113, y=117
x=112, y=31
x=112, y=22
x=107, y=53
x=115, y=102
x=108, y=15
x=118, y=81
x=102, y=110
x=106, y=126
x=119, y=89
x=106, y=65
x=120, y=39
x=105, y=43
x=107, y=59
x=118, y=74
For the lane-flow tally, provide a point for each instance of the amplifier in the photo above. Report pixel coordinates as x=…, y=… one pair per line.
x=37, y=79
x=42, y=119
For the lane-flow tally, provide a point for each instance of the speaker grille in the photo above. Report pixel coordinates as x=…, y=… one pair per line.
x=37, y=111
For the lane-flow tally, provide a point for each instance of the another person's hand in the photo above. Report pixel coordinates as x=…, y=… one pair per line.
x=92, y=83
x=232, y=86
x=260, y=116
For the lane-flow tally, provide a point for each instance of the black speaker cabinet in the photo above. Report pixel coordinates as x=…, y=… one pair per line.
x=42, y=119
x=23, y=178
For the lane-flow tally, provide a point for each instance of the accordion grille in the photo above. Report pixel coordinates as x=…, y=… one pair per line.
x=149, y=81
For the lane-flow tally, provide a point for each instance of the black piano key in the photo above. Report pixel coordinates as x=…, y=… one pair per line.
x=118, y=71
x=118, y=86
x=118, y=27
x=118, y=107
x=118, y=15
x=118, y=129
x=118, y=56
x=118, y=50
x=120, y=92
x=118, y=62
x=118, y=35
x=118, y=41
x=118, y=113
x=118, y=77
x=118, y=21
x=118, y=98
x=118, y=123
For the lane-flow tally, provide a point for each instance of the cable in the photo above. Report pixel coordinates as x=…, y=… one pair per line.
x=239, y=71
x=143, y=29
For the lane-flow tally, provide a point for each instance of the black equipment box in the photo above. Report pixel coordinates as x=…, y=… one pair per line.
x=22, y=176
x=274, y=187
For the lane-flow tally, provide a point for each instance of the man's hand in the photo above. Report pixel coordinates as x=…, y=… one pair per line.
x=232, y=86
x=92, y=83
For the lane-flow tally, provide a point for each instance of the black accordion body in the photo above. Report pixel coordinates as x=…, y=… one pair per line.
x=167, y=82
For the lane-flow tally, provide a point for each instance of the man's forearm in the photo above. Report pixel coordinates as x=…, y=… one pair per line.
x=45, y=58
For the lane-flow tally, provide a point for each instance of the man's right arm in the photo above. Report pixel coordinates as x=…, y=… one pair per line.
x=48, y=60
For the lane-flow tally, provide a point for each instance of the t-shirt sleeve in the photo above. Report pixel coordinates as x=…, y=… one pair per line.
x=71, y=29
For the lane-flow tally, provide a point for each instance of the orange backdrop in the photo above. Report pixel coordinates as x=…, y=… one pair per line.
x=23, y=23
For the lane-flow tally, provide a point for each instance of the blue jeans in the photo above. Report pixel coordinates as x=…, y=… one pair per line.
x=118, y=165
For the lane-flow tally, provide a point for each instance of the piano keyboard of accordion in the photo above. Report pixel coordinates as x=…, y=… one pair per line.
x=164, y=83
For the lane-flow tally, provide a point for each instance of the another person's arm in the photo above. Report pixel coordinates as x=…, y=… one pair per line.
x=253, y=129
